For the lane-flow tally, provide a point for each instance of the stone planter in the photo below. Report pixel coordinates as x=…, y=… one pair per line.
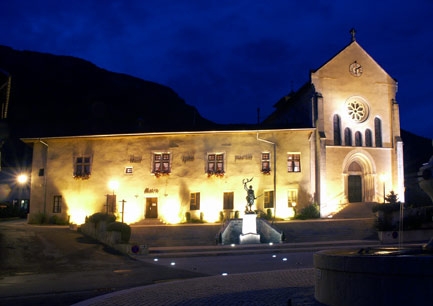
x=420, y=235
x=131, y=248
x=112, y=239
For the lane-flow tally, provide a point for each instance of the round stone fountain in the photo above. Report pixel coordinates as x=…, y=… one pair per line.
x=375, y=276
x=379, y=275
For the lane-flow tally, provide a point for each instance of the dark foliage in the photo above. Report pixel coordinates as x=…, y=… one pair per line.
x=123, y=228
x=99, y=216
x=309, y=212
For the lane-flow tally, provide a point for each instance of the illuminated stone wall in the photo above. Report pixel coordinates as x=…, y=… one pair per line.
x=355, y=88
x=112, y=155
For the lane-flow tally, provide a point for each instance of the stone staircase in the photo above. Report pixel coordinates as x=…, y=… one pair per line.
x=232, y=229
x=354, y=222
x=356, y=210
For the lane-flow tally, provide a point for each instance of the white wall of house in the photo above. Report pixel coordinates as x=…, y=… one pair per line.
x=111, y=155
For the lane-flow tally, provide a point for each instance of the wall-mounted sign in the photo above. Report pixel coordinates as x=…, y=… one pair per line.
x=187, y=158
x=135, y=159
x=151, y=190
x=244, y=157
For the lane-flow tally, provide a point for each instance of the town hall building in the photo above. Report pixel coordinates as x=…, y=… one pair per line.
x=334, y=142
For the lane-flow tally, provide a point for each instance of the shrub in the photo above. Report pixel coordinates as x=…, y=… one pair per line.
x=269, y=214
x=98, y=217
x=392, y=198
x=38, y=218
x=412, y=222
x=57, y=220
x=309, y=212
x=386, y=208
x=265, y=215
x=188, y=216
x=123, y=228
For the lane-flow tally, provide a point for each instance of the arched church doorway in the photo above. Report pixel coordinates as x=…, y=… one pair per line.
x=354, y=183
x=359, y=182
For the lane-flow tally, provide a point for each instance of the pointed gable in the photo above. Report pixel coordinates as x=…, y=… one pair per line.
x=351, y=60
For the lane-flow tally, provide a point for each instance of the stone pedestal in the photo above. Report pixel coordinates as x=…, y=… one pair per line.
x=249, y=230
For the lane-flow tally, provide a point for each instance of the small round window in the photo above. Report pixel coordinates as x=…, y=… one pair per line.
x=357, y=109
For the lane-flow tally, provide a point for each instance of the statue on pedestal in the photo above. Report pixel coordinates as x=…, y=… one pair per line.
x=250, y=195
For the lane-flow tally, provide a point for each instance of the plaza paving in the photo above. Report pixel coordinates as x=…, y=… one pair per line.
x=278, y=287
x=281, y=287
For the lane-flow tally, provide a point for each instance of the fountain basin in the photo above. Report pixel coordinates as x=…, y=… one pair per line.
x=374, y=276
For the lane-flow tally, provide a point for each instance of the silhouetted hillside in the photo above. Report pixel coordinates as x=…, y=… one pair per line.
x=64, y=96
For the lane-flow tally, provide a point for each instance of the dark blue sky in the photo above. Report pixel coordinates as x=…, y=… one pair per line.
x=229, y=57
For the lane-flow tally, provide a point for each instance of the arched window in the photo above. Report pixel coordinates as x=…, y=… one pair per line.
x=347, y=137
x=378, y=132
x=358, y=139
x=368, y=138
x=337, y=132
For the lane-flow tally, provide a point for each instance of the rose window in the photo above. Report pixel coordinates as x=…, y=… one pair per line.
x=357, y=110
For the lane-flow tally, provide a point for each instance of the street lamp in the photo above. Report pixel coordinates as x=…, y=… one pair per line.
x=22, y=178
x=383, y=178
x=113, y=185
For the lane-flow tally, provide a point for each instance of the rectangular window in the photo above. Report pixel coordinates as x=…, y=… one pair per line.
x=266, y=162
x=215, y=163
x=194, y=203
x=82, y=167
x=292, y=197
x=293, y=162
x=57, y=205
x=268, y=199
x=24, y=205
x=161, y=163
x=228, y=200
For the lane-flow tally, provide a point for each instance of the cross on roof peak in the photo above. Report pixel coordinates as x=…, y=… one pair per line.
x=353, y=32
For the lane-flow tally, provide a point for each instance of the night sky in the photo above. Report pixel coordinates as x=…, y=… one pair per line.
x=227, y=58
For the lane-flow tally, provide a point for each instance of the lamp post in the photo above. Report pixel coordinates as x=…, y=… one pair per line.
x=123, y=209
x=22, y=180
x=383, y=179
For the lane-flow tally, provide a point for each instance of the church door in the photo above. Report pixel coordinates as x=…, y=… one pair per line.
x=355, y=188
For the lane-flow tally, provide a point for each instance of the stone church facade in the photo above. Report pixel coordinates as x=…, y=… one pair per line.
x=334, y=142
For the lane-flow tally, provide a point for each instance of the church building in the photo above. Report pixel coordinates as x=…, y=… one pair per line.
x=334, y=142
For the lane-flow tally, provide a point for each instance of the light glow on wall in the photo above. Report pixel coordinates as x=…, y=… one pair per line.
x=330, y=205
x=133, y=211
x=80, y=206
x=113, y=185
x=170, y=210
x=210, y=214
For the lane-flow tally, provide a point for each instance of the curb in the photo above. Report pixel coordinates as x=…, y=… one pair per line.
x=221, y=250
